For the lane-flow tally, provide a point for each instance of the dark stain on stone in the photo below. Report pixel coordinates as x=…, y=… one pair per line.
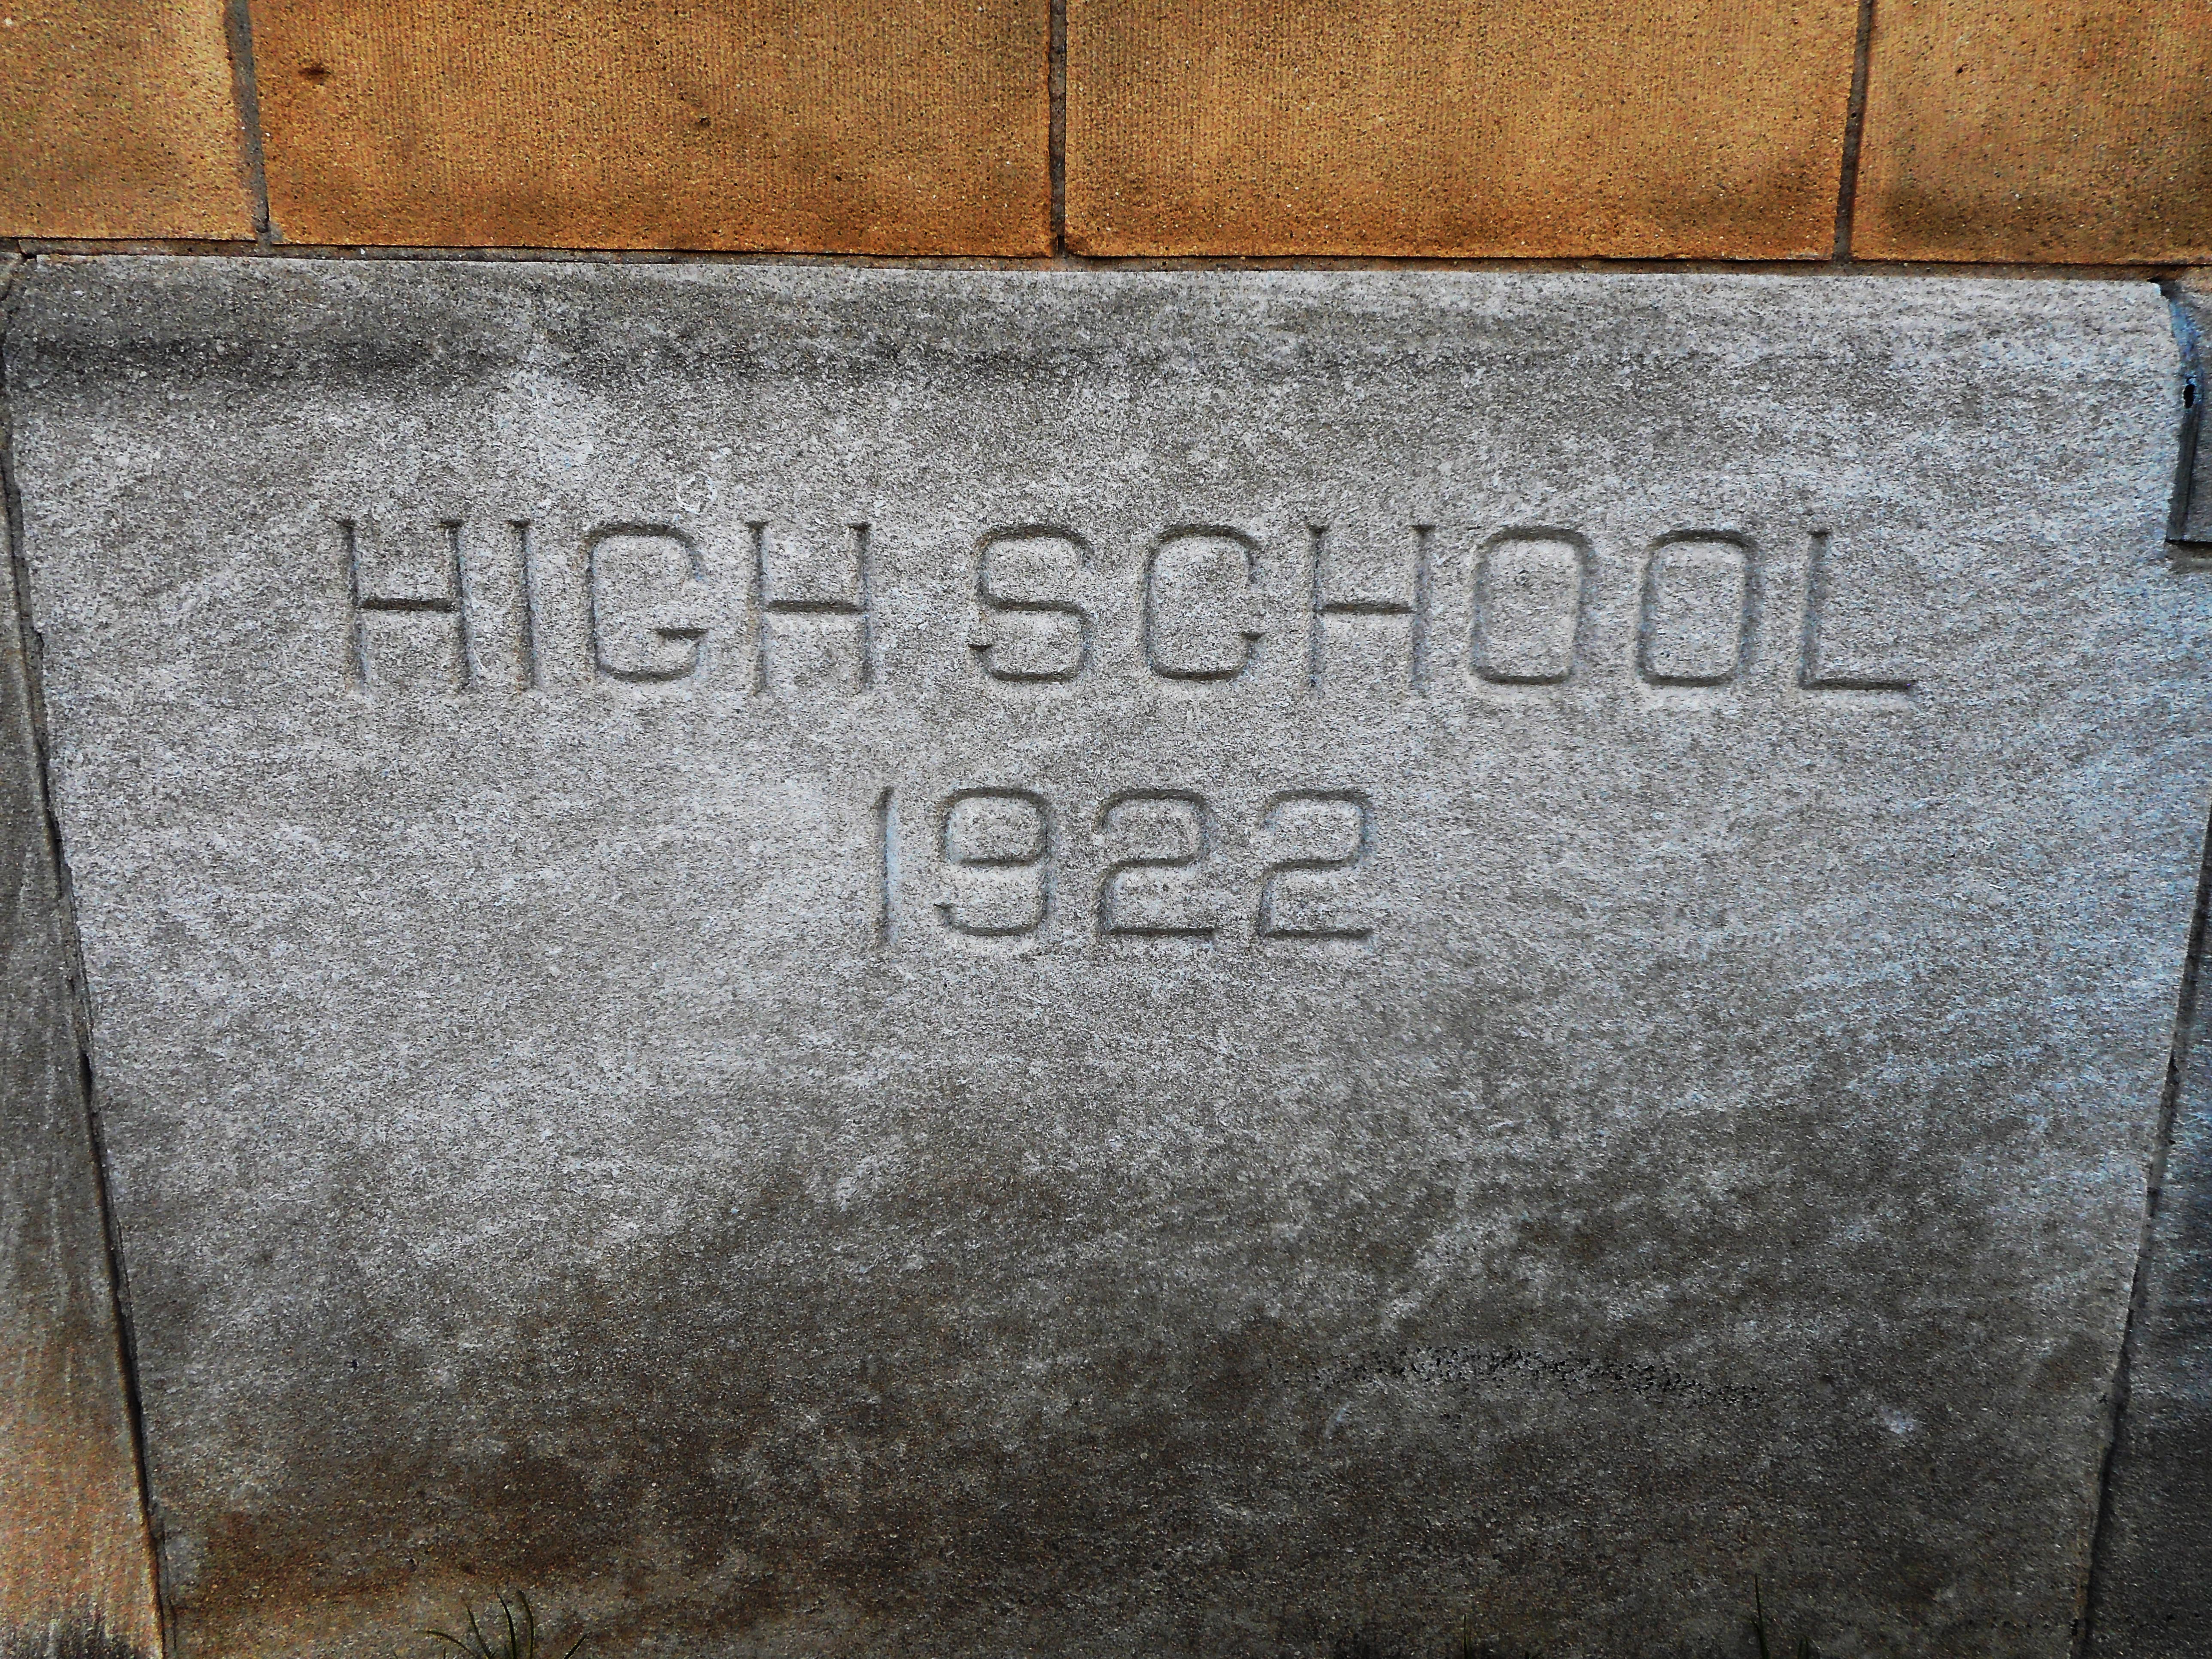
x=79, y=1635
x=1046, y=1422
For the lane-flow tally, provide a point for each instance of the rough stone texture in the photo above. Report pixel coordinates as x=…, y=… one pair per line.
x=2154, y=1584
x=1661, y=128
x=860, y=126
x=1701, y=1131
x=76, y=1571
x=2153, y=1596
x=117, y=120
x=2072, y=131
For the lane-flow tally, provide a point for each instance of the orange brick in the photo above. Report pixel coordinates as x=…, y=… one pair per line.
x=1624, y=128
x=2069, y=130
x=117, y=120
x=860, y=126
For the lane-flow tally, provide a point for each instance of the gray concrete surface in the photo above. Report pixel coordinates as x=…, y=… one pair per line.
x=846, y=962
x=77, y=1570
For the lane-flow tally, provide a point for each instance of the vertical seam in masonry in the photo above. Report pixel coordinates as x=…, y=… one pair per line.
x=245, y=93
x=2116, y=1396
x=2195, y=358
x=78, y=989
x=1056, y=141
x=1847, y=182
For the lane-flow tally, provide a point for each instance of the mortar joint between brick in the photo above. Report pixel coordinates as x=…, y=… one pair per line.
x=1056, y=125
x=32, y=687
x=245, y=93
x=1847, y=177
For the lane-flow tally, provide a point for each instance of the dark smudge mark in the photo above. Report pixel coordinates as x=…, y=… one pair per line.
x=81, y=1636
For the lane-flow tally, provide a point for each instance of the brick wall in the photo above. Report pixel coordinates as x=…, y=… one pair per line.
x=2073, y=131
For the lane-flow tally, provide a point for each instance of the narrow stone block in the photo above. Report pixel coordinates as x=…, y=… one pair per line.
x=907, y=127
x=1658, y=129
x=2073, y=132
x=2153, y=1594
x=76, y=1568
x=117, y=120
x=967, y=962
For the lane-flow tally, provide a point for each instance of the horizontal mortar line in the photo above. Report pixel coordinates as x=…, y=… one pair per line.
x=209, y=248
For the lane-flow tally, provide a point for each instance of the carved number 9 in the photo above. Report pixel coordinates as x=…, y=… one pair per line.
x=997, y=845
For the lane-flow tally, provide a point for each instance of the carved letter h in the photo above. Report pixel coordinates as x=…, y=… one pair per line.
x=858, y=608
x=453, y=604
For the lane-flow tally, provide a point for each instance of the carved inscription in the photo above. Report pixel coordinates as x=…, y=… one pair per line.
x=996, y=846
x=1323, y=607
x=792, y=615
x=1699, y=621
x=994, y=864
x=1028, y=628
x=1186, y=563
x=1533, y=593
x=452, y=602
x=636, y=641
x=1155, y=832
x=857, y=611
x=1336, y=825
x=1812, y=673
x=1522, y=606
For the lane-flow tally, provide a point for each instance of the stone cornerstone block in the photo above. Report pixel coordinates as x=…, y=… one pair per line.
x=1654, y=128
x=843, y=126
x=864, y=962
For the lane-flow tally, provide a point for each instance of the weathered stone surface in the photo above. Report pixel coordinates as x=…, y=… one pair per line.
x=2075, y=132
x=77, y=1577
x=626, y=1077
x=2154, y=1582
x=1655, y=128
x=852, y=126
x=117, y=120
x=2153, y=1596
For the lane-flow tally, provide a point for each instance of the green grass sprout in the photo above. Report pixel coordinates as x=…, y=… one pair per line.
x=1759, y=1629
x=509, y=1639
